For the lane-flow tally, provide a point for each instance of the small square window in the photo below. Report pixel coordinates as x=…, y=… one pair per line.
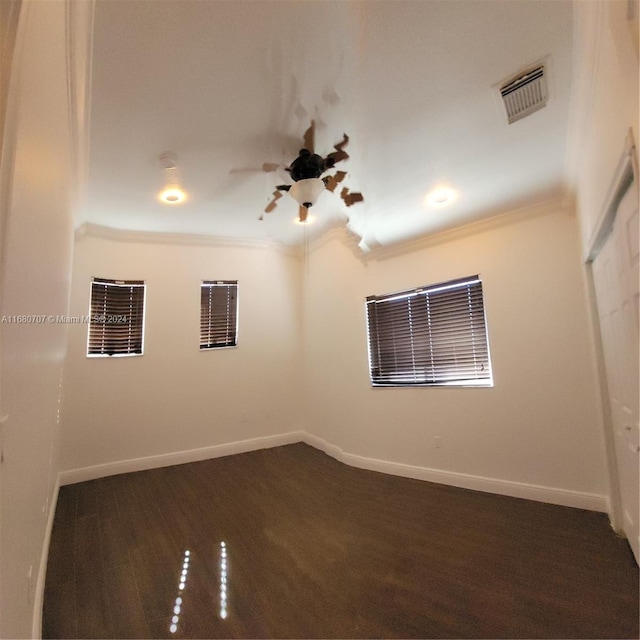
x=116, y=322
x=218, y=314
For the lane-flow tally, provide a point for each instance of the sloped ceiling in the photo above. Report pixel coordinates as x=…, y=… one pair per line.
x=229, y=85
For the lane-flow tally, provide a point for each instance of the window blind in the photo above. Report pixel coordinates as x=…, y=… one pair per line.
x=218, y=313
x=116, y=322
x=434, y=335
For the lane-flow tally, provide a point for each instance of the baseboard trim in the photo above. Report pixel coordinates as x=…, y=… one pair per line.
x=83, y=474
x=551, y=495
x=38, y=596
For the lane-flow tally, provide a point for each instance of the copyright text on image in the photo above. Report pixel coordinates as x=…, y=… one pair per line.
x=55, y=319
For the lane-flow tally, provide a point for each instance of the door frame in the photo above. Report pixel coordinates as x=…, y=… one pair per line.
x=625, y=175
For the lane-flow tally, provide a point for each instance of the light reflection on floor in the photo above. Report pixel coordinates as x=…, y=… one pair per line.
x=223, y=565
x=223, y=580
x=177, y=607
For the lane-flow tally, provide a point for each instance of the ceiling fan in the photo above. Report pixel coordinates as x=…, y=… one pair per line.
x=306, y=172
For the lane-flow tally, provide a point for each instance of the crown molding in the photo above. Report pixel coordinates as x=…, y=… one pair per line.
x=90, y=230
x=342, y=234
x=79, y=23
x=14, y=17
x=558, y=204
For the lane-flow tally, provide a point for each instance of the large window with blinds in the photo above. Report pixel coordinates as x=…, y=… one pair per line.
x=218, y=314
x=431, y=336
x=116, y=320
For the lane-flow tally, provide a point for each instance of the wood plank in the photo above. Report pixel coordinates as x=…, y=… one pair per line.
x=319, y=549
x=127, y=614
x=92, y=604
x=59, y=618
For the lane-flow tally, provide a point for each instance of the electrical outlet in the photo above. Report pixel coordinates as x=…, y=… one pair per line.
x=437, y=442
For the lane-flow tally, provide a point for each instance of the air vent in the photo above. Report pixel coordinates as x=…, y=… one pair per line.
x=525, y=94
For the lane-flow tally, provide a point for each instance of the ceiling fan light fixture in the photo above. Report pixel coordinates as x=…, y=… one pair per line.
x=306, y=192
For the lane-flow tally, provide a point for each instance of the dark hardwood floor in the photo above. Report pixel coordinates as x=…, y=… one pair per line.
x=289, y=543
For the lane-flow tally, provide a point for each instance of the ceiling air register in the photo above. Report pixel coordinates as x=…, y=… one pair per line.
x=525, y=95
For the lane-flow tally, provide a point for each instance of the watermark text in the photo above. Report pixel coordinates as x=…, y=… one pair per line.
x=32, y=318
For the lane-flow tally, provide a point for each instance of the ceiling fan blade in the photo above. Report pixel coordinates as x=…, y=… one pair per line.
x=267, y=167
x=303, y=212
x=350, y=198
x=331, y=182
x=274, y=203
x=339, y=154
x=343, y=143
x=309, y=137
x=340, y=176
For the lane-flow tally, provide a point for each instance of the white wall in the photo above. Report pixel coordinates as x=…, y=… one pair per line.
x=35, y=279
x=176, y=397
x=538, y=425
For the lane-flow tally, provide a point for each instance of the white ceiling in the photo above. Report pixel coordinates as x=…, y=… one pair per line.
x=228, y=85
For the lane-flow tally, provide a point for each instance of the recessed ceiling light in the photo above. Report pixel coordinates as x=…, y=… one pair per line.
x=440, y=197
x=173, y=195
x=172, y=192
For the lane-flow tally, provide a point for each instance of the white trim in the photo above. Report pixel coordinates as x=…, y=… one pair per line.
x=79, y=23
x=347, y=236
x=88, y=229
x=343, y=234
x=550, y=495
x=614, y=505
x=623, y=177
x=83, y=474
x=38, y=596
x=12, y=76
x=558, y=204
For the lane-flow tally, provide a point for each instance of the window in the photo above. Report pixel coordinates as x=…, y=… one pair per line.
x=116, y=322
x=218, y=314
x=431, y=336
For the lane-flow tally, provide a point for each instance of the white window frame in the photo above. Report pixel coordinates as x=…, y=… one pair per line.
x=431, y=336
x=222, y=336
x=112, y=316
